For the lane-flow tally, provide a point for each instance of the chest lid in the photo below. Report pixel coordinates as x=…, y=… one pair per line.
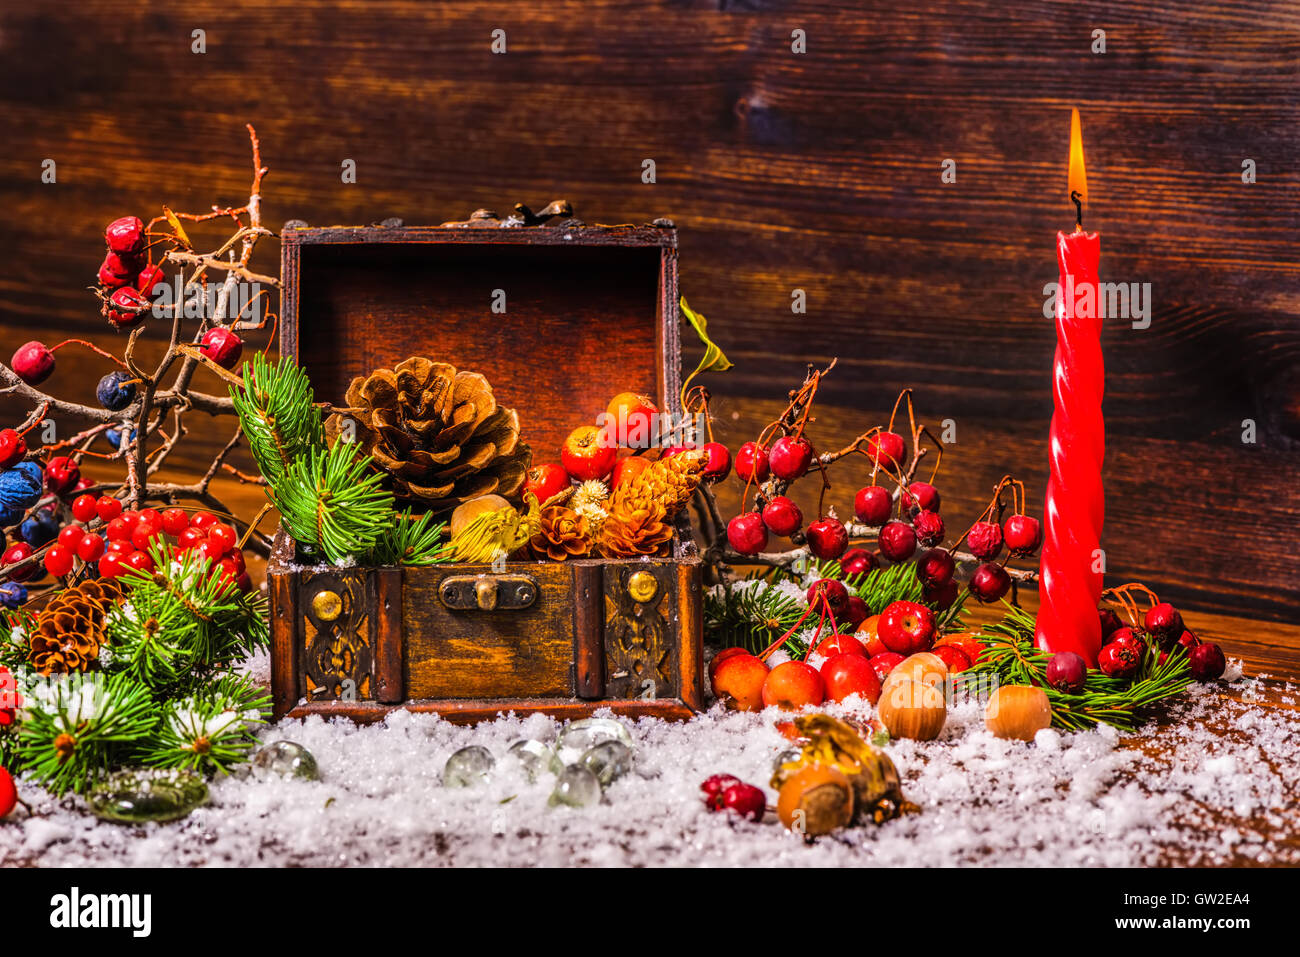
x=558, y=315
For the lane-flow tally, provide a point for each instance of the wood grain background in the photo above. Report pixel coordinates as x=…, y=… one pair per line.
x=818, y=171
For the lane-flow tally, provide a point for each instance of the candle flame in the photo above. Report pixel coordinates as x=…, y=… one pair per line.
x=1078, y=176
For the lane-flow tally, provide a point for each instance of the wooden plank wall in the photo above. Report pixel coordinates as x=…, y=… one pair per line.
x=817, y=171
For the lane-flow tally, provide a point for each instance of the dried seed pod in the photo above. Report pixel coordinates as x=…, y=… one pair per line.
x=913, y=709
x=1018, y=712
x=815, y=800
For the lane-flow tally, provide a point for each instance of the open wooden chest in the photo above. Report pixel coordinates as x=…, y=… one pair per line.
x=589, y=311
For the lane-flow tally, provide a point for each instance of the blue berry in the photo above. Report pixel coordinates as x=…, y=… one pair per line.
x=114, y=437
x=21, y=486
x=12, y=595
x=115, y=391
x=40, y=528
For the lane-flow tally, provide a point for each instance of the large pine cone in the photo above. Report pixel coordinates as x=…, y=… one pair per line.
x=437, y=432
x=67, y=632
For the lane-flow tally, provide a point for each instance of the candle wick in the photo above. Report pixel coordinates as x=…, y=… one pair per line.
x=1077, y=198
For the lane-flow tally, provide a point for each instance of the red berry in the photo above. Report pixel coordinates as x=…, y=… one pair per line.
x=130, y=518
x=713, y=787
x=210, y=550
x=62, y=474
x=107, y=507
x=14, y=554
x=985, y=540
x=117, y=270
x=857, y=611
x=782, y=516
x=110, y=566
x=952, y=656
x=549, y=479
x=150, y=278
x=827, y=538
x=119, y=546
x=126, y=308
x=718, y=465
x=118, y=530
x=1207, y=662
x=906, y=627
x=222, y=346
x=989, y=582
x=1066, y=672
x=12, y=448
x=140, y=561
x=70, y=537
x=203, y=519
x=841, y=645
x=32, y=362
x=143, y=535
x=151, y=517
x=848, y=674
x=897, y=541
x=1117, y=660
x=1188, y=640
x=244, y=582
x=1130, y=640
x=746, y=800
x=175, y=521
x=1022, y=534
x=935, y=567
x=941, y=595
x=125, y=236
x=224, y=535
x=751, y=463
x=747, y=533
x=84, y=508
x=928, y=527
x=872, y=505
x=920, y=495
x=884, y=663
x=828, y=594
x=1110, y=622
x=8, y=793
x=790, y=457
x=59, y=560
x=887, y=449
x=1164, y=623
x=90, y=548
x=857, y=561
x=190, y=538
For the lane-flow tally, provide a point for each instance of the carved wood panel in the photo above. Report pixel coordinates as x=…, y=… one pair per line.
x=338, y=610
x=641, y=645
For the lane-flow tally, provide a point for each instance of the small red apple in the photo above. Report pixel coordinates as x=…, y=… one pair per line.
x=792, y=685
x=884, y=663
x=628, y=468
x=751, y=463
x=886, y=448
x=906, y=627
x=587, y=454
x=631, y=420
x=739, y=682
x=747, y=533
x=718, y=464
x=546, y=481
x=848, y=674
x=841, y=645
x=954, y=657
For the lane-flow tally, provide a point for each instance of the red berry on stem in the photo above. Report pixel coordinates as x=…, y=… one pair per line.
x=110, y=566
x=70, y=536
x=920, y=495
x=985, y=540
x=782, y=516
x=1066, y=672
x=62, y=474
x=140, y=561
x=897, y=541
x=175, y=521
x=1188, y=640
x=1022, y=534
x=792, y=685
x=108, y=508
x=906, y=627
x=747, y=533
x=746, y=800
x=190, y=538
x=14, y=554
x=827, y=538
x=149, y=280
x=829, y=594
x=32, y=362
x=887, y=449
x=126, y=308
x=85, y=508
x=224, y=535
x=1207, y=662
x=12, y=448
x=751, y=463
x=1164, y=623
x=90, y=548
x=202, y=520
x=718, y=464
x=125, y=236
x=857, y=561
x=989, y=582
x=117, y=270
x=143, y=535
x=1117, y=660
x=59, y=560
x=928, y=527
x=588, y=454
x=935, y=566
x=841, y=645
x=790, y=457
x=849, y=674
x=222, y=346
x=872, y=505
x=548, y=480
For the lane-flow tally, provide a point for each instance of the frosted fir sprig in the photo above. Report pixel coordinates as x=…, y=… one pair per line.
x=212, y=730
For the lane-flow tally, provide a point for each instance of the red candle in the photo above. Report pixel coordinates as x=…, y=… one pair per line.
x=1070, y=580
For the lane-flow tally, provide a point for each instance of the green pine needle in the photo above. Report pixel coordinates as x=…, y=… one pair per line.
x=408, y=540
x=277, y=411
x=212, y=730
x=332, y=503
x=750, y=616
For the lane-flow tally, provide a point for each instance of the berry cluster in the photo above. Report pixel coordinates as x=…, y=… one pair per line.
x=10, y=700
x=725, y=792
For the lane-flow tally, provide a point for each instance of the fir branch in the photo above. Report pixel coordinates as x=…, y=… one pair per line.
x=332, y=503
x=750, y=614
x=210, y=731
x=72, y=726
x=277, y=411
x=409, y=540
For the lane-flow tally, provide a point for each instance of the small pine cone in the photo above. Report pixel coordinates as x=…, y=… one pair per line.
x=668, y=482
x=563, y=534
x=629, y=533
x=67, y=633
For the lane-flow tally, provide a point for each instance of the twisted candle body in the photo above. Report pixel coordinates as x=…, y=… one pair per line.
x=1071, y=580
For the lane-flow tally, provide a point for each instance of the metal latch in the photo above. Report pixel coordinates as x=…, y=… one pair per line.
x=487, y=592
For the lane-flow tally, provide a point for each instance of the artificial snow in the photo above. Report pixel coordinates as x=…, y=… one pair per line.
x=1091, y=798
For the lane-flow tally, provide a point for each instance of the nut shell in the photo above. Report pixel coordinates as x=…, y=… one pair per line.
x=912, y=709
x=1018, y=712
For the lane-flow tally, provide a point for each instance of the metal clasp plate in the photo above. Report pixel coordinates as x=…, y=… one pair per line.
x=487, y=592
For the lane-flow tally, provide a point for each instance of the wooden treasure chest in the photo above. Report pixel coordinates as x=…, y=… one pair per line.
x=559, y=316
